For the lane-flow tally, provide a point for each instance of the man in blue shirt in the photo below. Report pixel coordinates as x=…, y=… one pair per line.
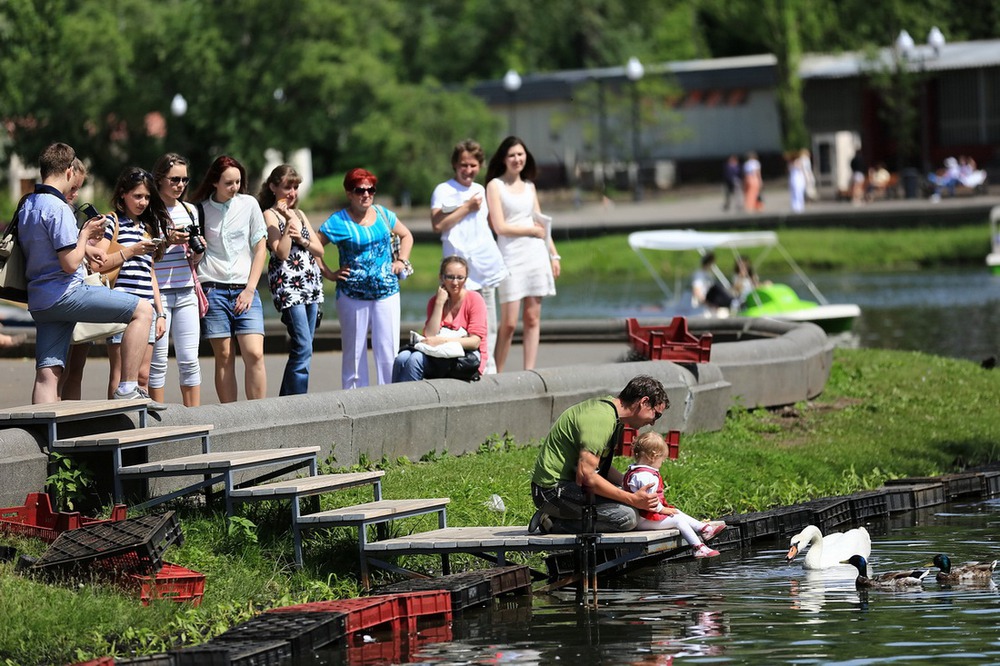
x=55, y=251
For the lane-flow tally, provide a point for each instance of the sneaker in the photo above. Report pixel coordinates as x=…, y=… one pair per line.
x=703, y=551
x=540, y=522
x=712, y=530
x=139, y=394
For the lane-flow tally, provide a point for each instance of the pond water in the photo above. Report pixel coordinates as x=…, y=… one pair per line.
x=750, y=607
x=954, y=313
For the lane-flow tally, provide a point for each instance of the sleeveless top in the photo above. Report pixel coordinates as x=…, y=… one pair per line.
x=296, y=280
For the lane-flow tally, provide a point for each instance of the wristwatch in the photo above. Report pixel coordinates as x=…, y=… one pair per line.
x=161, y=315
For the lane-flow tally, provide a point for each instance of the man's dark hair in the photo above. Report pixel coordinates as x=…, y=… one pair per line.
x=55, y=159
x=644, y=386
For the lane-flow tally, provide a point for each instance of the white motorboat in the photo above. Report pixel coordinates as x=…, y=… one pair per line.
x=777, y=301
x=993, y=258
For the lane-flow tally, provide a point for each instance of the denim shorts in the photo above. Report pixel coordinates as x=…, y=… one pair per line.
x=222, y=322
x=54, y=325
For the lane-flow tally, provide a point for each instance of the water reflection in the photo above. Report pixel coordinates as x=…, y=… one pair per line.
x=752, y=607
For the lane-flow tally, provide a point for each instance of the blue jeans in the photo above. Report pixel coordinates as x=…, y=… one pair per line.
x=300, y=320
x=408, y=366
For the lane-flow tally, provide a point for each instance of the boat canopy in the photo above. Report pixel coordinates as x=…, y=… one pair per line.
x=700, y=240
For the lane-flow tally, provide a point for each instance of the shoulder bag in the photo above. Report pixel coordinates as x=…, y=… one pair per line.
x=86, y=331
x=13, y=281
x=112, y=273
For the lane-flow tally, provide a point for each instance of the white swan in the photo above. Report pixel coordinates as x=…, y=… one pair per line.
x=831, y=550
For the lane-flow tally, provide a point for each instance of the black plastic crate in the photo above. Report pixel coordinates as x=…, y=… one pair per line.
x=829, y=513
x=468, y=589
x=900, y=498
x=514, y=579
x=991, y=484
x=134, y=545
x=793, y=519
x=963, y=485
x=148, y=660
x=868, y=505
x=305, y=632
x=235, y=653
x=754, y=526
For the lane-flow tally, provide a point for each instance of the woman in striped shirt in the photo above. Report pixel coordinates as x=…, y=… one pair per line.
x=175, y=278
x=140, y=235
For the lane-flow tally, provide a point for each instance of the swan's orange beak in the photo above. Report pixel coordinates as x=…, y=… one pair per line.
x=792, y=552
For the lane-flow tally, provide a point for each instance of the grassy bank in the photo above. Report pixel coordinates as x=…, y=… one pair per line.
x=883, y=414
x=609, y=257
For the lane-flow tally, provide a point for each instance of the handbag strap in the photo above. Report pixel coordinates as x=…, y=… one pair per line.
x=11, y=229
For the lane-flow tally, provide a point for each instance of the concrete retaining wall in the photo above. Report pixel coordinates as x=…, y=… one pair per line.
x=766, y=364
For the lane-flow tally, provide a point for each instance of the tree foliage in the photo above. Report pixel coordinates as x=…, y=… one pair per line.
x=380, y=83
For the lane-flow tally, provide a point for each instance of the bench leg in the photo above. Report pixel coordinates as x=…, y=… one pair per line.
x=445, y=560
x=229, y=500
x=296, y=533
x=366, y=584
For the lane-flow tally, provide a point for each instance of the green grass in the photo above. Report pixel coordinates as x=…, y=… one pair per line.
x=883, y=414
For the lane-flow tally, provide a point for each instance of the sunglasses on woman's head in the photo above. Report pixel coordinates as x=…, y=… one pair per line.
x=360, y=191
x=139, y=176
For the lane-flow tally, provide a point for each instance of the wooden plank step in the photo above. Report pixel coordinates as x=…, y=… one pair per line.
x=310, y=485
x=456, y=539
x=219, y=461
x=373, y=512
x=72, y=409
x=134, y=437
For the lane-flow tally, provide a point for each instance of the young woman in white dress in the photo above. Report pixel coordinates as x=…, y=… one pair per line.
x=526, y=245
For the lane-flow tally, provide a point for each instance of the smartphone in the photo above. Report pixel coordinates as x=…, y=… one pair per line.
x=158, y=240
x=89, y=211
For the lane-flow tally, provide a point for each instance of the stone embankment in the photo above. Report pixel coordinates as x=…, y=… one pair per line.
x=753, y=363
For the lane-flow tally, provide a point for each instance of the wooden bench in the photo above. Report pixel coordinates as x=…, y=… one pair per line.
x=310, y=486
x=375, y=513
x=120, y=440
x=219, y=467
x=52, y=414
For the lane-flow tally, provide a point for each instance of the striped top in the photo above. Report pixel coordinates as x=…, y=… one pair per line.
x=135, y=276
x=173, y=270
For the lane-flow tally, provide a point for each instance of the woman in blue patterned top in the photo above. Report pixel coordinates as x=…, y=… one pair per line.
x=293, y=272
x=141, y=230
x=367, y=279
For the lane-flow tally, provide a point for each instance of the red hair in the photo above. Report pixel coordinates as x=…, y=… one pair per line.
x=355, y=176
x=214, y=174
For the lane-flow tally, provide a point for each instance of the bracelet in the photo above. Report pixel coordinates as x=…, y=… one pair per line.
x=161, y=315
x=406, y=262
x=554, y=257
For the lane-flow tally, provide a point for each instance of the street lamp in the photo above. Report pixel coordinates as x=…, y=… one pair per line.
x=511, y=83
x=907, y=49
x=178, y=105
x=634, y=71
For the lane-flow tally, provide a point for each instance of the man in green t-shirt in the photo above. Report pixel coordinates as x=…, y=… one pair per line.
x=575, y=461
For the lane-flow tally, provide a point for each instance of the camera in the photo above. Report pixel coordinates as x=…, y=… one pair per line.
x=195, y=242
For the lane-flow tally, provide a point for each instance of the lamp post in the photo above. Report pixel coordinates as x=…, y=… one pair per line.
x=178, y=105
x=512, y=83
x=634, y=71
x=907, y=49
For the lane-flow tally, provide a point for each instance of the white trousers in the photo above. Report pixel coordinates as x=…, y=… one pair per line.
x=690, y=528
x=356, y=317
x=489, y=295
x=184, y=326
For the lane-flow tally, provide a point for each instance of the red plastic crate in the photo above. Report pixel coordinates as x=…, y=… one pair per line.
x=171, y=582
x=362, y=613
x=413, y=605
x=672, y=437
x=670, y=343
x=37, y=519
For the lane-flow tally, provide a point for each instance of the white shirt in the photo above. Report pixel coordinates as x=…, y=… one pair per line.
x=232, y=230
x=471, y=237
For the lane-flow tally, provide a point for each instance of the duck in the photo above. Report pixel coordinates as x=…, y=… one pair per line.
x=892, y=580
x=970, y=572
x=831, y=550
